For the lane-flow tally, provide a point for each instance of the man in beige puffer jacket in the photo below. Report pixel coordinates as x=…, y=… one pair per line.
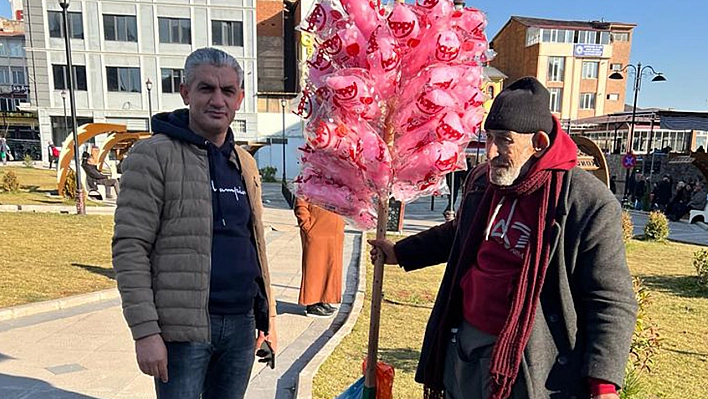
x=189, y=249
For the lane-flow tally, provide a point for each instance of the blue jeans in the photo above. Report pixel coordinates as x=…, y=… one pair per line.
x=216, y=370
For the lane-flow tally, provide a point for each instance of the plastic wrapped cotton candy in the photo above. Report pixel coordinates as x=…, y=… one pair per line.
x=405, y=26
x=324, y=17
x=393, y=96
x=365, y=14
x=384, y=61
x=353, y=203
x=426, y=106
x=320, y=65
x=433, y=10
x=305, y=105
x=354, y=95
x=346, y=47
x=414, y=174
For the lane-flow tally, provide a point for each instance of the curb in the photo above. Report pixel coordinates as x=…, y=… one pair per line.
x=31, y=309
x=303, y=389
x=90, y=210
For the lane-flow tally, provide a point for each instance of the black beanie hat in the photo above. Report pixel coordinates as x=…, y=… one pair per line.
x=523, y=107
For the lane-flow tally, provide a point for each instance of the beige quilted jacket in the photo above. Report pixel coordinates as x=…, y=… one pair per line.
x=162, y=239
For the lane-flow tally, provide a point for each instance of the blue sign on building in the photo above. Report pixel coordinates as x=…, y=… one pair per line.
x=588, y=50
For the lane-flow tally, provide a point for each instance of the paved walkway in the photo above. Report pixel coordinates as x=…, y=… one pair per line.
x=87, y=352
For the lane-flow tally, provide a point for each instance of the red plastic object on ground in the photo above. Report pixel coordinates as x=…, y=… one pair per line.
x=384, y=379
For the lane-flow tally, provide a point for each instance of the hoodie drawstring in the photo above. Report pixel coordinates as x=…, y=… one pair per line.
x=211, y=154
x=494, y=216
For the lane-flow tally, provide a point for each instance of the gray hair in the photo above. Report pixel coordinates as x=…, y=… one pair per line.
x=214, y=57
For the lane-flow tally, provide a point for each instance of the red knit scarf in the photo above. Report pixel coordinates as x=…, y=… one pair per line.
x=545, y=186
x=508, y=351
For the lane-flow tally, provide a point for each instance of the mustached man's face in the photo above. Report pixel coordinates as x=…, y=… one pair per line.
x=508, y=153
x=213, y=96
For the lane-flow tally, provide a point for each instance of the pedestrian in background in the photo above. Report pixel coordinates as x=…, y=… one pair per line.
x=50, y=154
x=322, y=236
x=4, y=151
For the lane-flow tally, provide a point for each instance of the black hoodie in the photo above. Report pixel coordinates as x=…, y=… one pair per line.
x=234, y=262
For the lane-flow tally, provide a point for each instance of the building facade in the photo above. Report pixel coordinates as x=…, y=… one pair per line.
x=655, y=130
x=18, y=127
x=573, y=59
x=119, y=45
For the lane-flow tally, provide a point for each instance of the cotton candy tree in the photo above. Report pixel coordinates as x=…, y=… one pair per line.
x=392, y=99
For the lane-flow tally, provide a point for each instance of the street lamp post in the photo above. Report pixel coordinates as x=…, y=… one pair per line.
x=80, y=206
x=283, y=103
x=148, y=84
x=638, y=71
x=66, y=121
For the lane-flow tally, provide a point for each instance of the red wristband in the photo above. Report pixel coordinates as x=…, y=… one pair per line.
x=601, y=387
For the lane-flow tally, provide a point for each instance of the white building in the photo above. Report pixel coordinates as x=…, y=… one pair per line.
x=117, y=45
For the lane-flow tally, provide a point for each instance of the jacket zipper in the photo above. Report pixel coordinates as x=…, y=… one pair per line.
x=211, y=238
x=251, y=196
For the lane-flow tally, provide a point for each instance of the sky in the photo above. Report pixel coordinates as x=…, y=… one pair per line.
x=670, y=36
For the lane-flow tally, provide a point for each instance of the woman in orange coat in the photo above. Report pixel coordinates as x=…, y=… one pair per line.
x=322, y=235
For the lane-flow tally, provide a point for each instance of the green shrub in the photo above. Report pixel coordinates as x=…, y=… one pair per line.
x=700, y=262
x=657, y=228
x=627, y=227
x=10, y=182
x=69, y=189
x=646, y=342
x=28, y=161
x=268, y=174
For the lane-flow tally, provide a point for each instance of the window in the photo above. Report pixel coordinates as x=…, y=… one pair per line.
x=76, y=26
x=227, y=33
x=556, y=99
x=533, y=36
x=18, y=75
x=556, y=69
x=174, y=30
x=120, y=28
x=616, y=67
x=490, y=92
x=9, y=104
x=604, y=37
x=620, y=36
x=4, y=76
x=123, y=79
x=239, y=126
x=60, y=78
x=557, y=36
x=590, y=69
x=16, y=48
x=3, y=47
x=171, y=78
x=587, y=37
x=613, y=96
x=587, y=100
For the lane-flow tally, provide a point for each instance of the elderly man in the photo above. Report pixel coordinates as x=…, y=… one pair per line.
x=536, y=300
x=189, y=249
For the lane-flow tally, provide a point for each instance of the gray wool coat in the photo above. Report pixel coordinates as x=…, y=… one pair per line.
x=587, y=311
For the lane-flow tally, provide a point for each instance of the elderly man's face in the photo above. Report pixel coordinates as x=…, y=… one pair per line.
x=213, y=97
x=508, y=153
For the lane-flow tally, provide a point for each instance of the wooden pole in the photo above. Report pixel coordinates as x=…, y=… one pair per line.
x=377, y=288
